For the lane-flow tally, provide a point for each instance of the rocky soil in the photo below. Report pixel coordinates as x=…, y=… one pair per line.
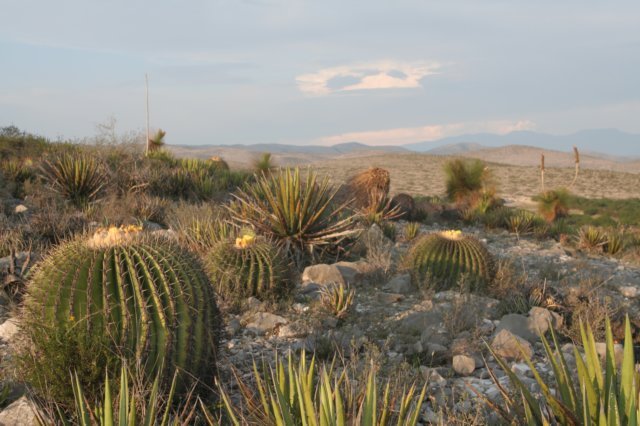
x=415, y=335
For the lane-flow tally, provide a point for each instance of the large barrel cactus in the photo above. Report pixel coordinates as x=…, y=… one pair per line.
x=149, y=298
x=446, y=259
x=250, y=267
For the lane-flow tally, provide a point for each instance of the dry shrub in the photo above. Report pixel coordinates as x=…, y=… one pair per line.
x=368, y=187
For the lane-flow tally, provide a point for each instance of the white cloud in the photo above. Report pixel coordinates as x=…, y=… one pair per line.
x=366, y=76
x=404, y=135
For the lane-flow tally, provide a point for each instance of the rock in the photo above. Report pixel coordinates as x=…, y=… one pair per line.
x=19, y=413
x=510, y=346
x=351, y=272
x=521, y=369
x=629, y=291
x=463, y=365
x=322, y=275
x=436, y=353
x=292, y=330
x=20, y=208
x=540, y=318
x=233, y=326
x=518, y=325
x=400, y=284
x=618, y=351
x=433, y=378
x=435, y=334
x=8, y=329
x=263, y=322
x=417, y=322
x=151, y=226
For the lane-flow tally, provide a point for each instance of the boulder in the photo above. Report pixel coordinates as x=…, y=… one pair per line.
x=541, y=318
x=518, y=325
x=323, y=275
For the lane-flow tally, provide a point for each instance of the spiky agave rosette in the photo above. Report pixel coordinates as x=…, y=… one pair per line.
x=442, y=260
x=148, y=296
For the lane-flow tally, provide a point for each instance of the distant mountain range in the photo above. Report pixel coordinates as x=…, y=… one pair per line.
x=600, y=148
x=607, y=142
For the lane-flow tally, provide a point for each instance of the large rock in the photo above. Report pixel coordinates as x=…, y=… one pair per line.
x=540, y=319
x=263, y=322
x=19, y=413
x=518, y=325
x=511, y=347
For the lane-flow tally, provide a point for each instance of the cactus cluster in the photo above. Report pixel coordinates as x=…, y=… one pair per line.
x=249, y=267
x=145, y=295
x=439, y=261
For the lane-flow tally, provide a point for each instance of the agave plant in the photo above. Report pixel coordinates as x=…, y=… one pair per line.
x=76, y=176
x=126, y=408
x=337, y=299
x=411, y=230
x=591, y=238
x=298, y=394
x=298, y=213
x=520, y=222
x=608, y=397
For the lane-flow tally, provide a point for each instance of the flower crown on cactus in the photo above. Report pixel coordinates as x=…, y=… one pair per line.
x=452, y=234
x=245, y=241
x=107, y=237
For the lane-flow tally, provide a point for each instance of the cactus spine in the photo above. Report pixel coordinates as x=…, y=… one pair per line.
x=147, y=295
x=438, y=261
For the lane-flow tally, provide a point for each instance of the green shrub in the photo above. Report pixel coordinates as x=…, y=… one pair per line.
x=553, y=204
x=615, y=241
x=248, y=267
x=141, y=298
x=442, y=260
x=600, y=396
x=464, y=177
x=411, y=230
x=520, y=222
x=78, y=177
x=263, y=164
x=297, y=213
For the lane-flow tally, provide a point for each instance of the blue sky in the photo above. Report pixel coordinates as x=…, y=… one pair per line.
x=301, y=72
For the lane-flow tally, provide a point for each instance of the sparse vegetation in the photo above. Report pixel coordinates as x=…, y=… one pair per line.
x=337, y=299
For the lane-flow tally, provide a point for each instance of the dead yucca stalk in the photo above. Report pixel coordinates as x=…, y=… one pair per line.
x=542, y=171
x=577, y=161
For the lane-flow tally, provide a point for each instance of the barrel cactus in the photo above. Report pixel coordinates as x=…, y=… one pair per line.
x=251, y=266
x=146, y=299
x=441, y=260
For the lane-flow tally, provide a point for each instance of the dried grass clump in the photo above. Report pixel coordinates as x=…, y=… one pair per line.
x=369, y=187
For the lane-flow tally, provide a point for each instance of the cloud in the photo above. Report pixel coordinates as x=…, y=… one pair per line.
x=404, y=135
x=366, y=76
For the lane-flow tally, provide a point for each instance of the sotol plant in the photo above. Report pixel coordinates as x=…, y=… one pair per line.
x=464, y=178
x=296, y=212
x=250, y=267
x=439, y=261
x=140, y=298
x=553, y=204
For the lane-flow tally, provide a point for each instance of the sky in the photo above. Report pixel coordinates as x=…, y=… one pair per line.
x=320, y=72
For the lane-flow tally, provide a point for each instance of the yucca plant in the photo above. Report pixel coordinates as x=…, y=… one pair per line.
x=369, y=187
x=76, y=176
x=591, y=238
x=442, y=260
x=249, y=267
x=464, y=178
x=337, y=299
x=263, y=164
x=554, y=204
x=125, y=293
x=201, y=234
x=599, y=397
x=16, y=170
x=411, y=230
x=297, y=393
x=296, y=212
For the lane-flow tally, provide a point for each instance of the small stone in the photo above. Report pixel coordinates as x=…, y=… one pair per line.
x=20, y=413
x=432, y=377
x=618, y=351
x=400, y=284
x=263, y=322
x=629, y=291
x=541, y=318
x=510, y=346
x=21, y=208
x=8, y=329
x=233, y=327
x=463, y=365
x=390, y=297
x=521, y=369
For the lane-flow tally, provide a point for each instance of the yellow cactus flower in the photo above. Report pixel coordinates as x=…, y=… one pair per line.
x=72, y=318
x=106, y=237
x=245, y=241
x=452, y=234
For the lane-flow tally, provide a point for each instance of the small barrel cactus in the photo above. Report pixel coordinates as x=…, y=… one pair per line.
x=250, y=267
x=149, y=298
x=440, y=261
